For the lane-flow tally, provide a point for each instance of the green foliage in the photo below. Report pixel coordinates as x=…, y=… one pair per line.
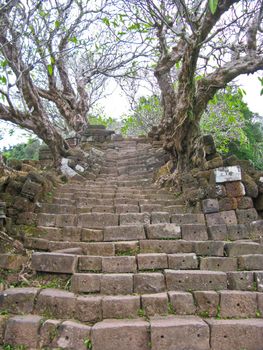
x=213, y=5
x=22, y=151
x=261, y=82
x=147, y=113
x=234, y=127
x=11, y=347
x=88, y=343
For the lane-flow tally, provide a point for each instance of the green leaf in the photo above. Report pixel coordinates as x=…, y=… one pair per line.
x=73, y=40
x=43, y=13
x=32, y=29
x=3, y=80
x=57, y=24
x=213, y=5
x=52, y=60
x=261, y=92
x=135, y=26
x=106, y=21
x=50, y=69
x=4, y=63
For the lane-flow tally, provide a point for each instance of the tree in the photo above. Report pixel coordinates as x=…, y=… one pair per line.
x=147, y=112
x=58, y=53
x=207, y=47
x=236, y=130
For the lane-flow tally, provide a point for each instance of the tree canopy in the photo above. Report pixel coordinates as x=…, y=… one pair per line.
x=55, y=57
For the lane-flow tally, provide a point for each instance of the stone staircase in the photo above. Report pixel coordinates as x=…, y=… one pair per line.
x=145, y=271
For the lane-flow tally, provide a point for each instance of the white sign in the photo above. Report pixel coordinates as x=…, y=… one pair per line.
x=228, y=174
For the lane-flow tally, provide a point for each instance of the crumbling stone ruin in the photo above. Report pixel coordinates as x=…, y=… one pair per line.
x=120, y=262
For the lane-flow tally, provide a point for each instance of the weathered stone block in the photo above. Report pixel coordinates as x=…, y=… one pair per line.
x=184, y=219
x=149, y=283
x=251, y=262
x=245, y=216
x=54, y=262
x=99, y=248
x=155, y=304
x=260, y=304
x=23, y=330
x=217, y=232
x=71, y=233
x=90, y=263
x=50, y=233
x=88, y=308
x=241, y=280
x=86, y=282
x=128, y=247
x=250, y=186
x=157, y=231
x=56, y=303
x=187, y=261
x=71, y=335
x=207, y=303
x=218, y=264
x=210, y=206
x=237, y=232
x=119, y=264
x=117, y=284
x=259, y=281
x=149, y=208
x=152, y=261
x=134, y=219
x=238, y=304
x=64, y=220
x=27, y=218
x=245, y=203
x=235, y=189
x=103, y=209
x=36, y=243
x=124, y=233
x=182, y=303
x=195, y=280
x=89, y=235
x=236, y=334
x=243, y=248
x=160, y=218
x=194, y=232
x=127, y=208
x=121, y=334
x=256, y=229
x=18, y=300
x=3, y=320
x=12, y=262
x=120, y=306
x=46, y=219
x=222, y=218
x=48, y=333
x=227, y=203
x=98, y=220
x=166, y=246
x=179, y=333
x=209, y=248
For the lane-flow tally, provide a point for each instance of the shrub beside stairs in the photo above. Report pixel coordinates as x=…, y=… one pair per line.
x=146, y=272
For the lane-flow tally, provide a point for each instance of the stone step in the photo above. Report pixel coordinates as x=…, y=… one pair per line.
x=71, y=260
x=104, y=216
x=166, y=333
x=108, y=206
x=202, y=248
x=148, y=282
x=243, y=248
x=62, y=304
